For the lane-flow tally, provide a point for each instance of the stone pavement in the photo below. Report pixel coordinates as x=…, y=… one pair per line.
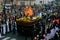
x=11, y=36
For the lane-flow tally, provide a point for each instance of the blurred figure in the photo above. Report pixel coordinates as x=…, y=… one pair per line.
x=40, y=14
x=0, y=24
x=28, y=11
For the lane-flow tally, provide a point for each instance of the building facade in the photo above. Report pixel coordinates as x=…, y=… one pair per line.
x=28, y=2
x=32, y=2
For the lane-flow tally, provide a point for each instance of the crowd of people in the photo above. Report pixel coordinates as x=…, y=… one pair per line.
x=47, y=30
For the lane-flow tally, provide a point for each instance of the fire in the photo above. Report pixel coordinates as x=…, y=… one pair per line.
x=28, y=11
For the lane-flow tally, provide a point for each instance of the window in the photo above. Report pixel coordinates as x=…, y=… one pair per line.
x=22, y=3
x=40, y=1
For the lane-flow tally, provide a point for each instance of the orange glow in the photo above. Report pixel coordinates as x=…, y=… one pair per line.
x=28, y=11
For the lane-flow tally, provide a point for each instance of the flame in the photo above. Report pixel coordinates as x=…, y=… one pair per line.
x=28, y=11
